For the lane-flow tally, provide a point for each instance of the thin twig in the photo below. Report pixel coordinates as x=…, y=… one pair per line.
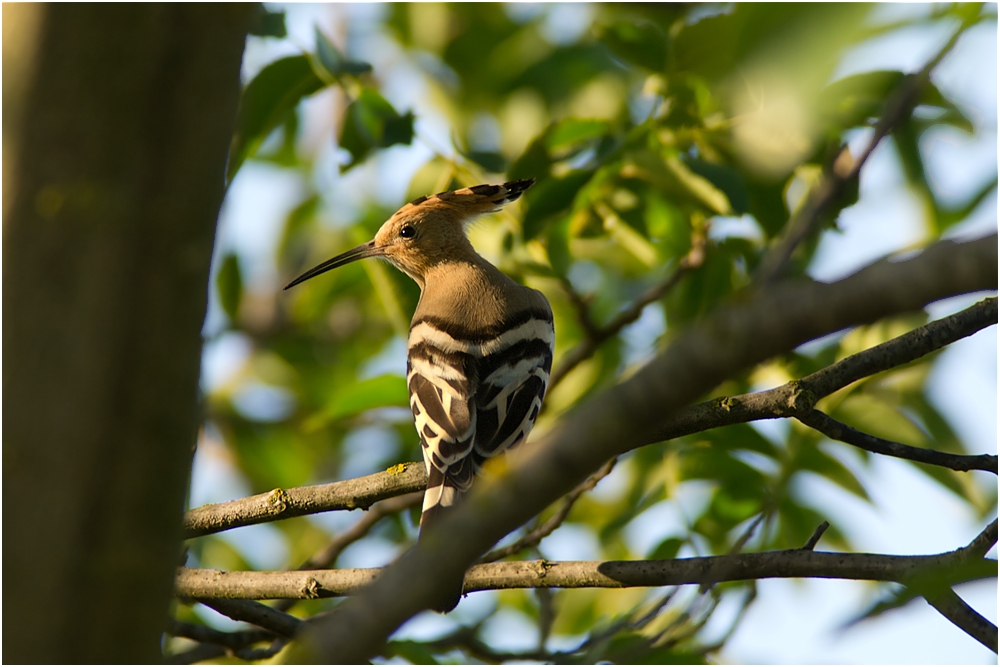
x=328, y=556
x=844, y=171
x=837, y=430
x=535, y=536
x=596, y=336
x=581, y=305
x=816, y=536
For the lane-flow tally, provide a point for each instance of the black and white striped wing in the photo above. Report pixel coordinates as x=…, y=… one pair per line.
x=441, y=385
x=512, y=387
x=473, y=399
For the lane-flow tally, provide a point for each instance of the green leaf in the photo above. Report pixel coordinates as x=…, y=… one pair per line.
x=230, y=285
x=549, y=197
x=641, y=43
x=286, y=154
x=296, y=222
x=699, y=187
x=667, y=549
x=740, y=437
x=379, y=392
x=812, y=457
x=557, y=247
x=672, y=176
x=726, y=179
x=266, y=102
x=534, y=162
x=372, y=122
x=269, y=24
x=894, y=597
x=489, y=160
x=947, y=217
x=572, y=131
x=333, y=60
x=855, y=100
x=416, y=653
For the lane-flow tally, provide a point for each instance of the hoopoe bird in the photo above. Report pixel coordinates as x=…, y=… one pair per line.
x=480, y=345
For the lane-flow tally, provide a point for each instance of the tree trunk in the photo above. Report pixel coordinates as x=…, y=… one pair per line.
x=111, y=194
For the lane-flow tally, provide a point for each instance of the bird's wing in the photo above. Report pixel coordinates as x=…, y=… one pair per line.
x=442, y=386
x=473, y=399
x=511, y=390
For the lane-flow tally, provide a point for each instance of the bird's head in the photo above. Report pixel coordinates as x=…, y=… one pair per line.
x=428, y=231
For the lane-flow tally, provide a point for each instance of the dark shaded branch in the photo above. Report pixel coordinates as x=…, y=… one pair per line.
x=950, y=568
x=596, y=336
x=284, y=504
x=535, y=536
x=467, y=639
x=209, y=651
x=231, y=640
x=956, y=610
x=845, y=171
x=622, y=418
x=836, y=430
x=218, y=644
x=256, y=613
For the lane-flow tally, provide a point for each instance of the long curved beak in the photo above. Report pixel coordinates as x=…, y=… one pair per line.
x=352, y=255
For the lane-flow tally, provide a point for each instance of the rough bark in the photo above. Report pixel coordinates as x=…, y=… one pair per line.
x=125, y=121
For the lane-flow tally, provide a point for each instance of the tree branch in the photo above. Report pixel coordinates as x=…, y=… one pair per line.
x=844, y=171
x=623, y=418
x=351, y=494
x=258, y=614
x=836, y=430
x=956, y=610
x=232, y=640
x=788, y=400
x=952, y=568
x=983, y=542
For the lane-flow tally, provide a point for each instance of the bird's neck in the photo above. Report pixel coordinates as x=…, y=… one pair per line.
x=468, y=291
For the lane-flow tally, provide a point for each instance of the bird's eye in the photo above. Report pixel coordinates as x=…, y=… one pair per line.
x=407, y=232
